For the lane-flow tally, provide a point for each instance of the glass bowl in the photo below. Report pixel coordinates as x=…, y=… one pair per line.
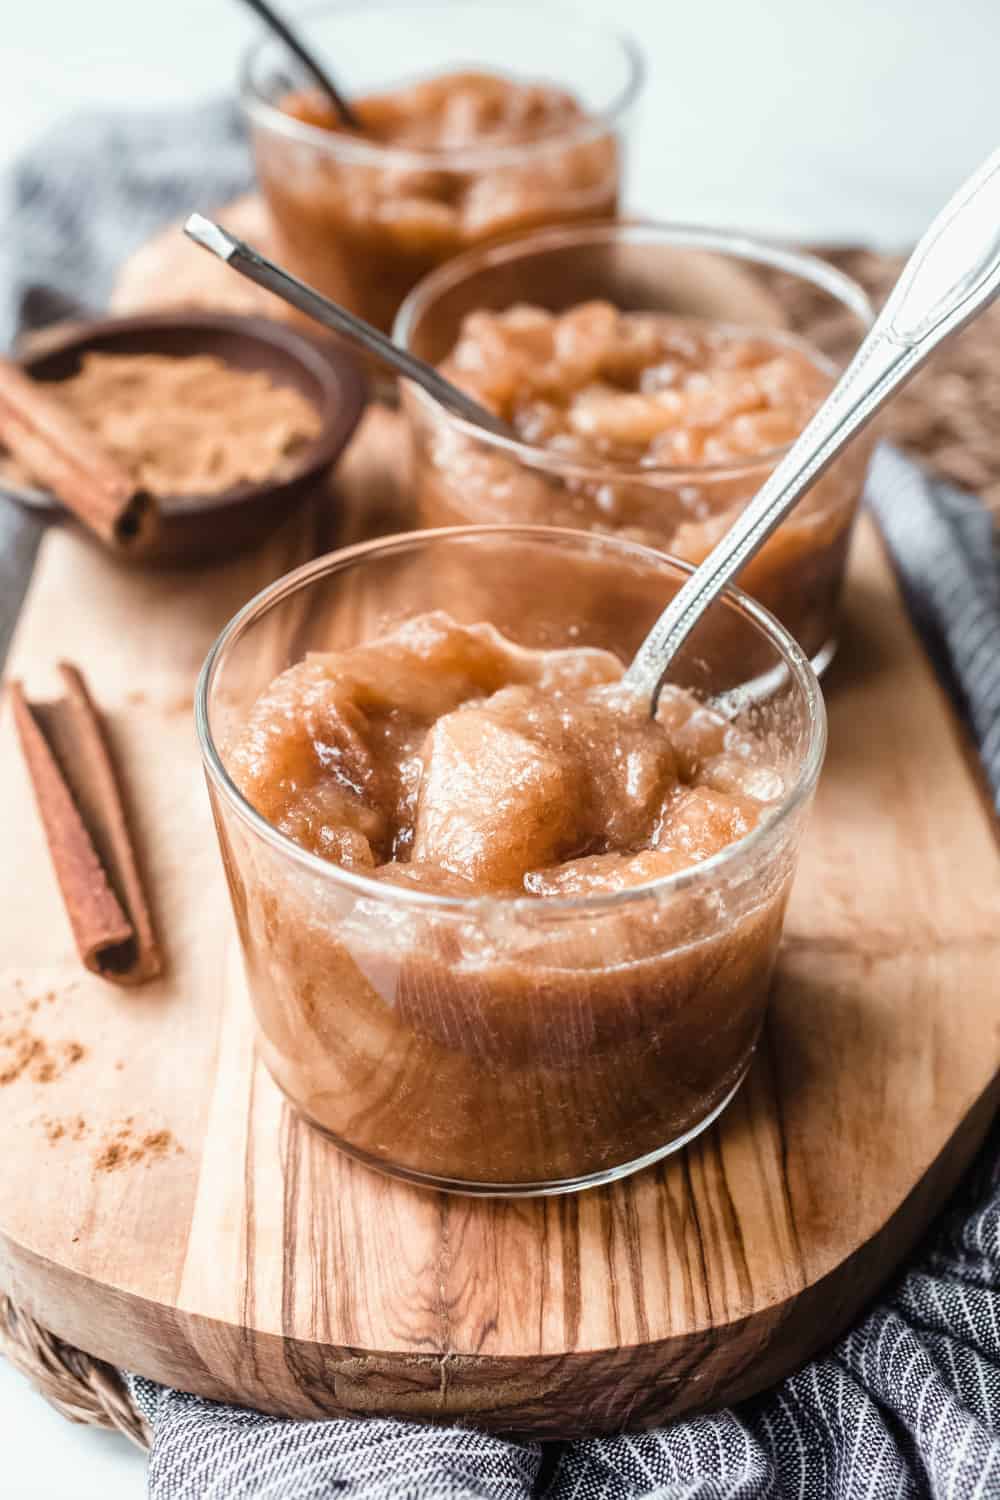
x=509, y=1044
x=465, y=475
x=364, y=221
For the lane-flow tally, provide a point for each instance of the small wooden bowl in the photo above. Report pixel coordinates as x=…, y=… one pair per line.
x=204, y=529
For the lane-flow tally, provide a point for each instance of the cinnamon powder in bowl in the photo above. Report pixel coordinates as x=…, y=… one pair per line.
x=230, y=422
x=185, y=426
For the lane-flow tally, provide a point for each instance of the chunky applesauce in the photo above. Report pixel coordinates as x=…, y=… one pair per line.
x=439, y=166
x=448, y=758
x=647, y=426
x=489, y=1042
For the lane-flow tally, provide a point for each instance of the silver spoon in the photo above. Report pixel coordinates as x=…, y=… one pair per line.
x=315, y=69
x=265, y=273
x=951, y=277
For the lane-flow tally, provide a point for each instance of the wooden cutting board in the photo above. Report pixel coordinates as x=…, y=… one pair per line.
x=162, y=1208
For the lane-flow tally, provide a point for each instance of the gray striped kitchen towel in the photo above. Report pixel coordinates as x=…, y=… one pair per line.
x=908, y=1404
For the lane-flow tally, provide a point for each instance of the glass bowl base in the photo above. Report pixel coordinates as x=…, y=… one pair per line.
x=531, y=1189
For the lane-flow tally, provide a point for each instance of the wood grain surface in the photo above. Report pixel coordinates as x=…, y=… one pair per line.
x=162, y=1208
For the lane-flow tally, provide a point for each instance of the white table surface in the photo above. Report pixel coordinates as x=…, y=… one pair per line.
x=845, y=122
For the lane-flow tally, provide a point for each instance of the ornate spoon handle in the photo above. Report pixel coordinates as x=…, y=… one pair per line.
x=952, y=275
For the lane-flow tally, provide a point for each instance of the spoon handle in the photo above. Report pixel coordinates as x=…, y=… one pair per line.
x=952, y=275
x=312, y=66
x=257, y=268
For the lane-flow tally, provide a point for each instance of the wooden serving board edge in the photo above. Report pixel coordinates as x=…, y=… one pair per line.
x=663, y=1377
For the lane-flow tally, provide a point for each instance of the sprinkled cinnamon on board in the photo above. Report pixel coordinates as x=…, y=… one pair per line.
x=157, y=1142
x=113, y=1155
x=123, y=1148
x=72, y=1129
x=22, y=1053
x=23, y=1050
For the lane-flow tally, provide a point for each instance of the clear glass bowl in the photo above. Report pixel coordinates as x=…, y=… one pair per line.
x=515, y=1045
x=465, y=475
x=362, y=221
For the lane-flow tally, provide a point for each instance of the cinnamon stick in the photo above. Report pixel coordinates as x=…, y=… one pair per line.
x=62, y=456
x=82, y=812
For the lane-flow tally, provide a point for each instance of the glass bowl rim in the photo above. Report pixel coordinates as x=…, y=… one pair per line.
x=703, y=872
x=260, y=111
x=735, y=244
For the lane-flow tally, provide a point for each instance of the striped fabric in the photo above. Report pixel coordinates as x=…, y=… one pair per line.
x=909, y=1403
x=94, y=189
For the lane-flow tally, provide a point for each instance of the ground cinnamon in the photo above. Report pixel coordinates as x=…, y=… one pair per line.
x=60, y=454
x=124, y=1148
x=185, y=427
x=23, y=1054
x=81, y=809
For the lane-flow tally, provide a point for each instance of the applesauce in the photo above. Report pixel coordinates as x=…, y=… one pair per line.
x=448, y=758
x=639, y=414
x=447, y=157
x=502, y=931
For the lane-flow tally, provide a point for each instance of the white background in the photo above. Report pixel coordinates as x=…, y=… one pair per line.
x=843, y=119
x=848, y=121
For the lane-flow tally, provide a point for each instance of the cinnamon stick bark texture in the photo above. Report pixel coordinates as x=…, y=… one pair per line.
x=64, y=457
x=81, y=809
